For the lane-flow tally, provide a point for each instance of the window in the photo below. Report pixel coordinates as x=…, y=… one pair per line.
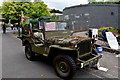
x=52, y=26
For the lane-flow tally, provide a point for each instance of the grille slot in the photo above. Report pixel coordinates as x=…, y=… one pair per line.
x=84, y=47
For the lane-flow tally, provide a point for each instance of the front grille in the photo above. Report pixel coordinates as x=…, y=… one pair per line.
x=84, y=47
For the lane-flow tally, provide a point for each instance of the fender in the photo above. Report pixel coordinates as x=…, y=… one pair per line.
x=55, y=50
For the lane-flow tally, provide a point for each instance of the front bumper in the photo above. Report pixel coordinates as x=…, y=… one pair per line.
x=88, y=60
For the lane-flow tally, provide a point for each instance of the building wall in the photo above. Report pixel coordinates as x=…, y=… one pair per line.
x=83, y=17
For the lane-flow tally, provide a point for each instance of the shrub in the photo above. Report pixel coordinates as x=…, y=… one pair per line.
x=25, y=25
x=110, y=29
x=118, y=39
x=118, y=31
x=7, y=25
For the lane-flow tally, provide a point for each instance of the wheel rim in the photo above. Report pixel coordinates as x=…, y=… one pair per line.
x=63, y=68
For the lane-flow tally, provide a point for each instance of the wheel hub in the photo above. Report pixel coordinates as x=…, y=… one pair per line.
x=63, y=67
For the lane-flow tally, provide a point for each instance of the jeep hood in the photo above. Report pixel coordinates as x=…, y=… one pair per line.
x=67, y=41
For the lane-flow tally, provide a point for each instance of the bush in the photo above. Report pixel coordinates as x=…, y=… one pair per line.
x=7, y=25
x=25, y=25
x=118, y=39
x=118, y=31
x=110, y=29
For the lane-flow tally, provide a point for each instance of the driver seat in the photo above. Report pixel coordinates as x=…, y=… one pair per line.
x=38, y=35
x=39, y=38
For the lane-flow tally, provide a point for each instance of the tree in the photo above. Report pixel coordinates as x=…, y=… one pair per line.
x=12, y=10
x=55, y=16
x=55, y=11
x=38, y=9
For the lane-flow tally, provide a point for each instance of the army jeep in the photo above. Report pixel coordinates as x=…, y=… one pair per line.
x=51, y=38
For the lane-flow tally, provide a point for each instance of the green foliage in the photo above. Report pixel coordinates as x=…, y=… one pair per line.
x=110, y=29
x=27, y=25
x=34, y=21
x=0, y=10
x=105, y=3
x=55, y=11
x=55, y=16
x=19, y=0
x=13, y=10
x=118, y=38
x=38, y=9
x=118, y=31
x=7, y=25
x=35, y=24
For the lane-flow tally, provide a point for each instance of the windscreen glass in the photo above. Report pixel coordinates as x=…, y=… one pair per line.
x=52, y=26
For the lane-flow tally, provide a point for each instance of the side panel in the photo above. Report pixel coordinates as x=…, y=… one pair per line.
x=40, y=49
x=37, y=48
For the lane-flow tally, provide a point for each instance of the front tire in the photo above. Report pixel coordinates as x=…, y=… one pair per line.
x=28, y=52
x=64, y=66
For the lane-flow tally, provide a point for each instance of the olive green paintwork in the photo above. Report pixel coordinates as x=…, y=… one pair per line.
x=80, y=48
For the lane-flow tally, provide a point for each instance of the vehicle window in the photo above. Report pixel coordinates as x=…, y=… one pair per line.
x=61, y=26
x=52, y=26
x=40, y=25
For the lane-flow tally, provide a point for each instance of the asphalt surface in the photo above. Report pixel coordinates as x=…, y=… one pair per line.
x=15, y=64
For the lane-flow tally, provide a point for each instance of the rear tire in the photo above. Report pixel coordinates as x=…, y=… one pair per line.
x=64, y=66
x=28, y=52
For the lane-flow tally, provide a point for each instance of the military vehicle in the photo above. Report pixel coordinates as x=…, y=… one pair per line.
x=50, y=38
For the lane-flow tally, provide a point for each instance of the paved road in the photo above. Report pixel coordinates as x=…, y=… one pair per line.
x=15, y=65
